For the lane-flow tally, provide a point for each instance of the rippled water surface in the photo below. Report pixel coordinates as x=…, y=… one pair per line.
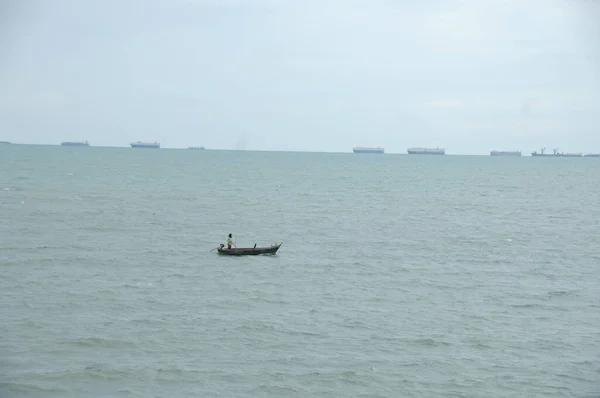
x=400, y=276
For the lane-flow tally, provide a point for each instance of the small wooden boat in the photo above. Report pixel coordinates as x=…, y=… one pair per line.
x=249, y=251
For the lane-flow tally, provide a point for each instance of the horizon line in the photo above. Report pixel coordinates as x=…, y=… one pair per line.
x=300, y=151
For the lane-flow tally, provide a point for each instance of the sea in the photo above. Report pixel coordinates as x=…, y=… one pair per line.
x=399, y=275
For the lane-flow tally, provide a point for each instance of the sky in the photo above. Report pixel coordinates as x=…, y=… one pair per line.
x=313, y=75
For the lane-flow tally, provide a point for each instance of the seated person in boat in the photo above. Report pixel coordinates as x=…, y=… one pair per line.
x=229, y=241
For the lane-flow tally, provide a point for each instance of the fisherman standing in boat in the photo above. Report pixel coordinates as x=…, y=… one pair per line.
x=229, y=241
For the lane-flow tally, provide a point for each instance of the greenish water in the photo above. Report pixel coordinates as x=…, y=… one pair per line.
x=399, y=275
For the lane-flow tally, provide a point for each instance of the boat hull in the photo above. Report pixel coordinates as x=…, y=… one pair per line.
x=426, y=151
x=379, y=151
x=557, y=155
x=70, y=143
x=249, y=251
x=150, y=145
x=505, y=153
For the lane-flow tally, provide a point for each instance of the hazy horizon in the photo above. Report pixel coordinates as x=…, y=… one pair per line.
x=466, y=76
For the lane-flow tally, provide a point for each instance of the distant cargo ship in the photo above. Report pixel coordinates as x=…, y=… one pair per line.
x=541, y=152
x=505, y=153
x=592, y=155
x=4, y=142
x=75, y=143
x=197, y=147
x=140, y=144
x=360, y=149
x=557, y=154
x=426, y=151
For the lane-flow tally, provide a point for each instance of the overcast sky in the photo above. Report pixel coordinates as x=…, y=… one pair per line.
x=310, y=75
